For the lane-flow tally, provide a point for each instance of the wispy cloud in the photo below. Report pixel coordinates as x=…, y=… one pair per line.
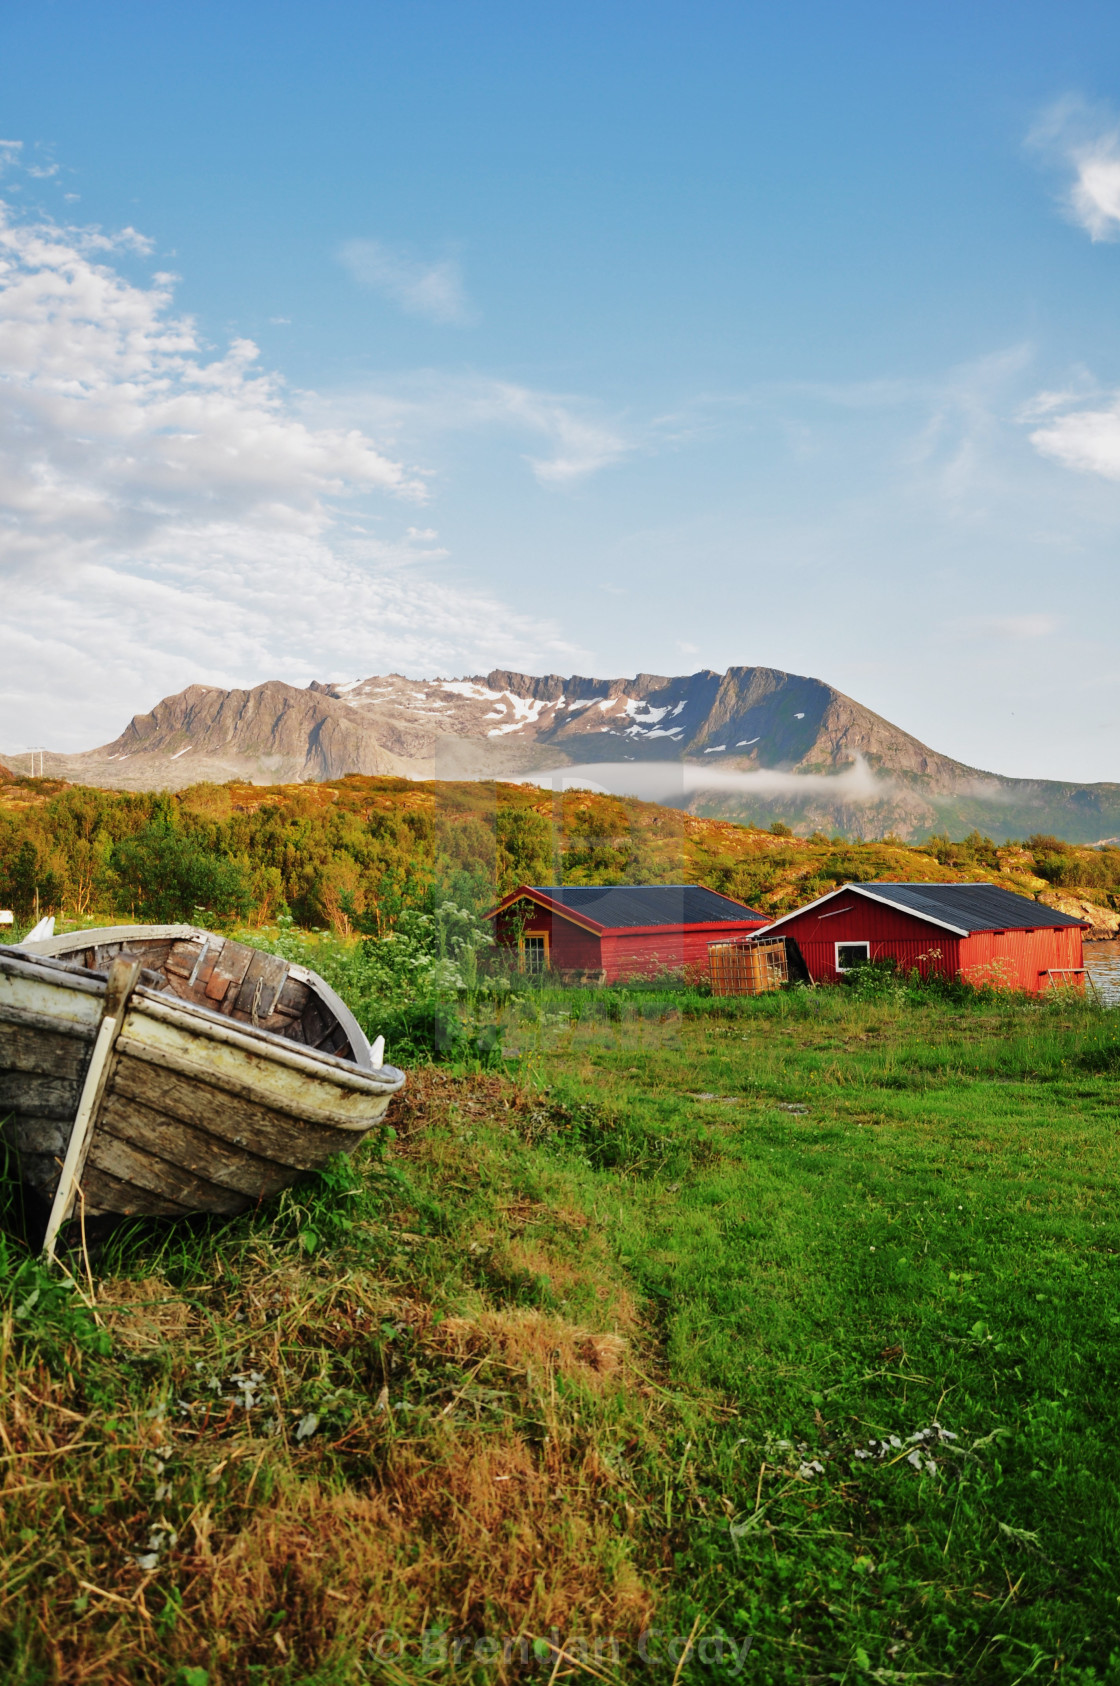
x=578, y=438
x=167, y=514
x=581, y=444
x=431, y=289
x=1008, y=626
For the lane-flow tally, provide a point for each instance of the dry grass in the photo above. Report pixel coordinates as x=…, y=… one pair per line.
x=535, y=1343
x=253, y=1462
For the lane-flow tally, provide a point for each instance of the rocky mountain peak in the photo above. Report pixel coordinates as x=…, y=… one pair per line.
x=748, y=720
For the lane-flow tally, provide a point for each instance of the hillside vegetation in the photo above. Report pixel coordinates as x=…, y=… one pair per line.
x=354, y=854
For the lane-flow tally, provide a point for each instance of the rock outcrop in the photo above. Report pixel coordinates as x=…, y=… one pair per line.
x=1104, y=925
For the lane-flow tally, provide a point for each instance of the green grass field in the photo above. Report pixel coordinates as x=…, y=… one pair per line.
x=794, y=1322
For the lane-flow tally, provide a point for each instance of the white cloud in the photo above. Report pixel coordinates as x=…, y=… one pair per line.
x=434, y=290
x=166, y=515
x=1085, y=140
x=1087, y=440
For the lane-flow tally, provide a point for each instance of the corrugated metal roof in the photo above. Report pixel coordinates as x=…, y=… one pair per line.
x=619, y=906
x=970, y=907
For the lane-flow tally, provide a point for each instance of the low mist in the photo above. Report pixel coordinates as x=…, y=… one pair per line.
x=669, y=781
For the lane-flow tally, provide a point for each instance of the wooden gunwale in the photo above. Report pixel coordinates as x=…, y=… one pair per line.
x=197, y=1021
x=21, y=963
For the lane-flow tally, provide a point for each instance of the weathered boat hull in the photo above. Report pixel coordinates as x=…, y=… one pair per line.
x=194, y=1111
x=48, y=1025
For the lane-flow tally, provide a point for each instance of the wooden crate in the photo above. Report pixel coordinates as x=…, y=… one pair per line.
x=748, y=968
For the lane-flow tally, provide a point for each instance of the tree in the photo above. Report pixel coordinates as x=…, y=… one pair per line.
x=524, y=848
x=165, y=875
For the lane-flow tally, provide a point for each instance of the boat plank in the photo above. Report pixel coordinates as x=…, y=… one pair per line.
x=184, y=957
x=227, y=976
x=315, y=1024
x=105, y=1193
x=235, y=1118
x=198, y=1151
x=43, y=1046
x=38, y=1094
x=293, y=996
x=344, y=1100
x=168, y=1181
x=267, y=973
x=151, y=953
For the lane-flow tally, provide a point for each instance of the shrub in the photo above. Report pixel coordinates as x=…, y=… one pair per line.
x=877, y=980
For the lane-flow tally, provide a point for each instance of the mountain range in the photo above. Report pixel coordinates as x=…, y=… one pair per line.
x=753, y=744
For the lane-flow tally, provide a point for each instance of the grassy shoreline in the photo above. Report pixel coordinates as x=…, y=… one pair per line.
x=595, y=1355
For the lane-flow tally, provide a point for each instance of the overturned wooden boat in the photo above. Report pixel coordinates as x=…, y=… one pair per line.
x=160, y=1070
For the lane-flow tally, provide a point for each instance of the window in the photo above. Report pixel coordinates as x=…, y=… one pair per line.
x=534, y=954
x=851, y=954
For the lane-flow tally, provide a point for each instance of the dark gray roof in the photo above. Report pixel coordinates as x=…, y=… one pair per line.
x=969, y=907
x=617, y=906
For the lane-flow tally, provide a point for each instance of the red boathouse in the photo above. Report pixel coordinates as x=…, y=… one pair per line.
x=986, y=934
x=602, y=933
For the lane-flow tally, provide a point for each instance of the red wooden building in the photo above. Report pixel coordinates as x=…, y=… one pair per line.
x=986, y=934
x=600, y=933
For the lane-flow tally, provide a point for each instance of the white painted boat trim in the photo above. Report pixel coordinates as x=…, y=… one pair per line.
x=199, y=1023
x=79, y=1136
x=117, y=993
x=53, y=947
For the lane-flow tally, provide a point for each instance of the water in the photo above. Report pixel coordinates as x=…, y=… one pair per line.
x=1102, y=962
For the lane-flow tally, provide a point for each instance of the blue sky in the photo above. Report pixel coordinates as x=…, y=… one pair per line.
x=595, y=338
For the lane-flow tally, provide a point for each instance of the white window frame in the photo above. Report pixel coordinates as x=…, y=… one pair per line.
x=537, y=936
x=836, y=953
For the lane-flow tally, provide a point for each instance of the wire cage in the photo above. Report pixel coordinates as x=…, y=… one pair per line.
x=748, y=967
